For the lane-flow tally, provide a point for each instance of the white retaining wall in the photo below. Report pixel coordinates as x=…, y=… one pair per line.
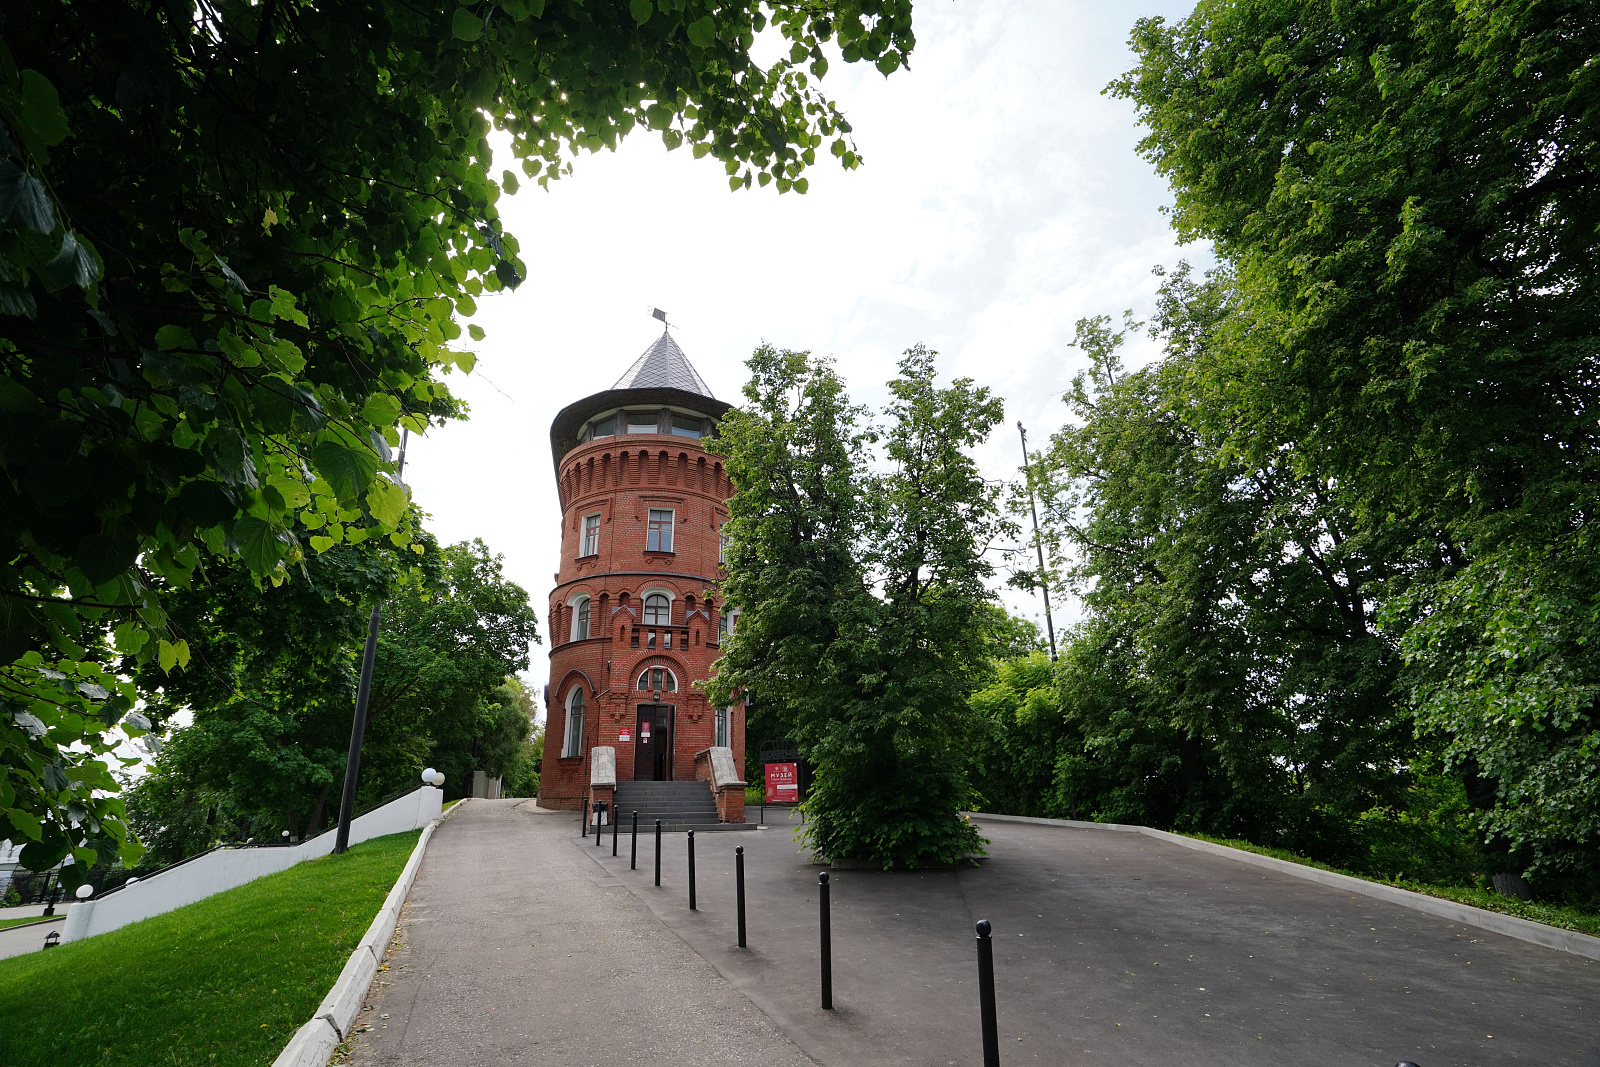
x=229, y=868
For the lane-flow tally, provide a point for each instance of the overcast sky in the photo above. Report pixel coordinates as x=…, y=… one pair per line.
x=1000, y=200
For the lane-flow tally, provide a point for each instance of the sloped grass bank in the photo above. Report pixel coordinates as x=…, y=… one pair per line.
x=1581, y=920
x=224, y=982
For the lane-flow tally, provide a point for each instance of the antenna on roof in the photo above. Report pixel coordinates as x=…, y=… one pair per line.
x=657, y=313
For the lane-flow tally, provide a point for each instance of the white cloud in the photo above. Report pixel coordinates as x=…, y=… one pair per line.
x=1001, y=200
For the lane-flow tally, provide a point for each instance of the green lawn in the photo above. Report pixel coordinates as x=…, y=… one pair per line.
x=1582, y=920
x=60, y=912
x=226, y=981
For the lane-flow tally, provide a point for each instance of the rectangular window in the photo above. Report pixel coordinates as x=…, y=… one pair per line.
x=606, y=427
x=683, y=426
x=572, y=743
x=644, y=422
x=722, y=728
x=659, y=537
x=580, y=624
x=722, y=548
x=591, y=535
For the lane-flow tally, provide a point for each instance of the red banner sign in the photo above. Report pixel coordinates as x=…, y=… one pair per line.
x=625, y=734
x=783, y=783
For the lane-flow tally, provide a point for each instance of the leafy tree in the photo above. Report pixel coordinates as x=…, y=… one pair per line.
x=1017, y=738
x=440, y=695
x=1231, y=677
x=175, y=818
x=1401, y=192
x=234, y=239
x=272, y=682
x=864, y=612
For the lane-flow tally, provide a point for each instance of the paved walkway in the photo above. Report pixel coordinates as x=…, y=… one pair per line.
x=516, y=948
x=1110, y=948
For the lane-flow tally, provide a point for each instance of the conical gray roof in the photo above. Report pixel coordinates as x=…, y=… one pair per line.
x=663, y=366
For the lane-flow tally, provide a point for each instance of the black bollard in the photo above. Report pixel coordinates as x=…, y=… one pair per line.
x=691, y=870
x=658, y=852
x=615, y=827
x=738, y=888
x=599, y=813
x=827, y=941
x=991, y=1032
x=633, y=849
x=583, y=817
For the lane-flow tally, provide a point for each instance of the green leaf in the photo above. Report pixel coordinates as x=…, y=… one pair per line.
x=321, y=544
x=475, y=331
x=465, y=25
x=26, y=824
x=703, y=32
x=170, y=337
x=230, y=457
x=24, y=201
x=260, y=544
x=41, y=108
x=349, y=470
x=641, y=10
x=508, y=181
x=104, y=556
x=387, y=502
x=75, y=263
x=381, y=409
x=283, y=306
x=16, y=300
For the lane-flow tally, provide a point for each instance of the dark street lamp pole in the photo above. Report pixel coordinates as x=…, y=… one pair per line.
x=1044, y=585
x=358, y=729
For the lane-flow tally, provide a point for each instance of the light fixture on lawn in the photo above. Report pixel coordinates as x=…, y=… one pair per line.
x=52, y=939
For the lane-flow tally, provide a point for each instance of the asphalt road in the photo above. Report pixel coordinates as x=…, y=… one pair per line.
x=1121, y=949
x=517, y=949
x=522, y=943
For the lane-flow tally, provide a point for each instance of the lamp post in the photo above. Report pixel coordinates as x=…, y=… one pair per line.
x=1044, y=584
x=358, y=729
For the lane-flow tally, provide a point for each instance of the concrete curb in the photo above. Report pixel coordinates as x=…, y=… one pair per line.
x=314, y=1043
x=1509, y=925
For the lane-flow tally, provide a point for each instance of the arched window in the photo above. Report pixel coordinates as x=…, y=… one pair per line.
x=580, y=619
x=572, y=743
x=657, y=610
x=658, y=678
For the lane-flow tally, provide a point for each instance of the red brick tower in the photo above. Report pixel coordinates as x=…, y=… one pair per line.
x=635, y=613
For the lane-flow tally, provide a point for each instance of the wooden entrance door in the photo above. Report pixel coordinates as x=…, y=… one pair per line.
x=652, y=746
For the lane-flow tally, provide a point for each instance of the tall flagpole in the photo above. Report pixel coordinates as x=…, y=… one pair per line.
x=1044, y=583
x=358, y=729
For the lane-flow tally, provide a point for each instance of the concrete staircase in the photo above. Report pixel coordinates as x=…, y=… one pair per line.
x=679, y=805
